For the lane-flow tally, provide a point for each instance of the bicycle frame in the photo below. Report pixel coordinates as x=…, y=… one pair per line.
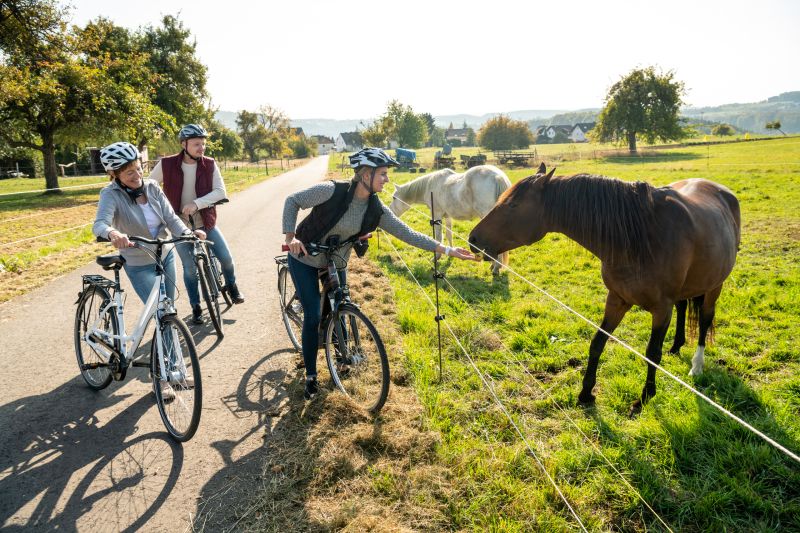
x=157, y=305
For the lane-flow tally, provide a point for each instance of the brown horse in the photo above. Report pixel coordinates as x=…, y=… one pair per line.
x=659, y=248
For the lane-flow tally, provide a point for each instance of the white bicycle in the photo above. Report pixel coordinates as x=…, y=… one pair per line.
x=105, y=351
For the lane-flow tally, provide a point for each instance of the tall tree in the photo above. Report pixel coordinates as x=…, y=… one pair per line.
x=67, y=96
x=645, y=104
x=252, y=132
x=30, y=29
x=504, y=133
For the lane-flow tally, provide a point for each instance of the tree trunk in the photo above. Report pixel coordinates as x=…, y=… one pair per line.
x=49, y=155
x=632, y=142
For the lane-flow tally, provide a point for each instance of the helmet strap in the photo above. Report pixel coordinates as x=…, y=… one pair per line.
x=132, y=193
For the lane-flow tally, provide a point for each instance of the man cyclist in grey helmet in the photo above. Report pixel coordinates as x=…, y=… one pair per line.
x=193, y=183
x=343, y=208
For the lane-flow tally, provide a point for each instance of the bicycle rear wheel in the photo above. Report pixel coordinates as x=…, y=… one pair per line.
x=357, y=358
x=210, y=295
x=180, y=396
x=92, y=301
x=216, y=269
x=291, y=309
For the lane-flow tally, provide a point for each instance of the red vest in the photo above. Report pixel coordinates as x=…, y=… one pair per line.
x=173, y=185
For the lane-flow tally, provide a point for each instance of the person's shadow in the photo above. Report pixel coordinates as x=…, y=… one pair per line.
x=52, y=450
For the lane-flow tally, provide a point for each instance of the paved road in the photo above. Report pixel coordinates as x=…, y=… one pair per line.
x=74, y=459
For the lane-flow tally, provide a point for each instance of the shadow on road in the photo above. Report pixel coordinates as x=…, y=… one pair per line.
x=57, y=463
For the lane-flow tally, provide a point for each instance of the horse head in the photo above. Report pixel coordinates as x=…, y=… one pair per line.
x=398, y=205
x=516, y=219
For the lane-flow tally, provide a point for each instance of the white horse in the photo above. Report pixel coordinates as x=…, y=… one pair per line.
x=455, y=196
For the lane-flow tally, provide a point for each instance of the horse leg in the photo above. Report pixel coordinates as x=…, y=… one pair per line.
x=706, y=324
x=615, y=310
x=680, y=326
x=661, y=318
x=448, y=220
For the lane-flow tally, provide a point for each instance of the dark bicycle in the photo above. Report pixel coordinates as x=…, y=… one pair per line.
x=212, y=282
x=354, y=350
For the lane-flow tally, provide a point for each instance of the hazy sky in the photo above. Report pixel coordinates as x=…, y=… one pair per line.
x=347, y=59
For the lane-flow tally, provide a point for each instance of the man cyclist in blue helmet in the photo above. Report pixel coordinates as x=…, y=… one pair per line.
x=344, y=208
x=193, y=183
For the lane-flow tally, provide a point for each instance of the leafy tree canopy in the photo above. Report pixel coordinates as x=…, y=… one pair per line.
x=504, y=133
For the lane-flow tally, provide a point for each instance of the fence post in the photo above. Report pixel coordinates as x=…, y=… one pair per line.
x=436, y=277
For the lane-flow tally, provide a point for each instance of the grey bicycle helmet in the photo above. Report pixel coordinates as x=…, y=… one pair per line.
x=372, y=157
x=117, y=155
x=192, y=131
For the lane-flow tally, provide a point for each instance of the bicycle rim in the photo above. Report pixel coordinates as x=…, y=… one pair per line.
x=358, y=365
x=210, y=295
x=180, y=397
x=92, y=301
x=291, y=309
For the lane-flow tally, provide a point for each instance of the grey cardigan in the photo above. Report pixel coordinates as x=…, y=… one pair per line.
x=116, y=211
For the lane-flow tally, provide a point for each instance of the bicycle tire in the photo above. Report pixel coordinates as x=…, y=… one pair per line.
x=181, y=415
x=210, y=295
x=359, y=367
x=216, y=269
x=90, y=303
x=291, y=308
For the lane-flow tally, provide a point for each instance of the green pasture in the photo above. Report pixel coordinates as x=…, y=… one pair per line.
x=698, y=470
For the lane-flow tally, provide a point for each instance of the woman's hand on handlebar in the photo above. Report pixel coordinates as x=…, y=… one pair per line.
x=295, y=246
x=200, y=234
x=119, y=239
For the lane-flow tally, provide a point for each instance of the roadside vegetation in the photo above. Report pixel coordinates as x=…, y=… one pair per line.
x=698, y=470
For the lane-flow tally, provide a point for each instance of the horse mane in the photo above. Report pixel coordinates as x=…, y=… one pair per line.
x=612, y=216
x=413, y=190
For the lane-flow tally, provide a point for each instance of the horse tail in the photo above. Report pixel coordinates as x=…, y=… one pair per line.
x=693, y=311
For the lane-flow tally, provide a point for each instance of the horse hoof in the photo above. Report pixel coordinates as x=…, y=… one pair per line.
x=695, y=372
x=675, y=350
x=586, y=401
x=636, y=409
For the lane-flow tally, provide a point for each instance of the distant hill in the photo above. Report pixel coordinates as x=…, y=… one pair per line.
x=745, y=117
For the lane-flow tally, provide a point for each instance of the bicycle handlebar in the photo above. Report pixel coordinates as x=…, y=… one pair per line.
x=134, y=238
x=316, y=249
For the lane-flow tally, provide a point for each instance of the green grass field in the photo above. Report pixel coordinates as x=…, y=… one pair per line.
x=34, y=246
x=697, y=470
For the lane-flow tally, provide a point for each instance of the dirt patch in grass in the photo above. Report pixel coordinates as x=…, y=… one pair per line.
x=329, y=466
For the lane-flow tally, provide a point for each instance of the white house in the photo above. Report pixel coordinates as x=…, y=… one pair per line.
x=349, y=142
x=325, y=145
x=579, y=131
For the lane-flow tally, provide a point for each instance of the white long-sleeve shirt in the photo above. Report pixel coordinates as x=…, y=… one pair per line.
x=188, y=193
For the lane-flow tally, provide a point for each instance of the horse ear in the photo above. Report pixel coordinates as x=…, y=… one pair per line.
x=542, y=168
x=550, y=174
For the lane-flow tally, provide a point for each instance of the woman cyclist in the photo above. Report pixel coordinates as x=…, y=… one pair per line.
x=344, y=209
x=131, y=205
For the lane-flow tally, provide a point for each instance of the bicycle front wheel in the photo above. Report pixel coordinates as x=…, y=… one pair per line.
x=291, y=309
x=210, y=294
x=94, y=369
x=357, y=358
x=176, y=378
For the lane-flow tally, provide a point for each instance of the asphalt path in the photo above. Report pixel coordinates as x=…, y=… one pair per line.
x=74, y=459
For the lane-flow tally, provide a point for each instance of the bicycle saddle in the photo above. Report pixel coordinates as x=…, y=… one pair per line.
x=110, y=262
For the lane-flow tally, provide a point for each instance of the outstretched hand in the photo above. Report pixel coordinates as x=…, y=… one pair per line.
x=464, y=254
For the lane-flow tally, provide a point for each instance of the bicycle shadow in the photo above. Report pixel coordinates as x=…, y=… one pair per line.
x=61, y=469
x=266, y=488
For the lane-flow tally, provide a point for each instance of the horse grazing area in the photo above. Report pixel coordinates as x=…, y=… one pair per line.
x=680, y=464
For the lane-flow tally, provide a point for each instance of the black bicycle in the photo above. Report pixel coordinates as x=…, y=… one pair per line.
x=354, y=350
x=212, y=282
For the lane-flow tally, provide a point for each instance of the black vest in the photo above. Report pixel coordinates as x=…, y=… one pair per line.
x=324, y=216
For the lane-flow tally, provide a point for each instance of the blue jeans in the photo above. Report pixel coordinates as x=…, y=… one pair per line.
x=220, y=248
x=143, y=277
x=306, y=281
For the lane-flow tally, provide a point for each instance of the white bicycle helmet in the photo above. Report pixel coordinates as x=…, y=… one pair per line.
x=118, y=155
x=192, y=131
x=372, y=157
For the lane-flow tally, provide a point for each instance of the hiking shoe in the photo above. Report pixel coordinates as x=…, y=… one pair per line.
x=236, y=296
x=312, y=388
x=197, y=315
x=167, y=394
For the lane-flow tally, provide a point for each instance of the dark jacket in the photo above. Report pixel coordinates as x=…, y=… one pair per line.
x=324, y=217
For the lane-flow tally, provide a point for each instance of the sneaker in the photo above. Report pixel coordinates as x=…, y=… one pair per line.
x=197, y=315
x=236, y=296
x=167, y=394
x=312, y=388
